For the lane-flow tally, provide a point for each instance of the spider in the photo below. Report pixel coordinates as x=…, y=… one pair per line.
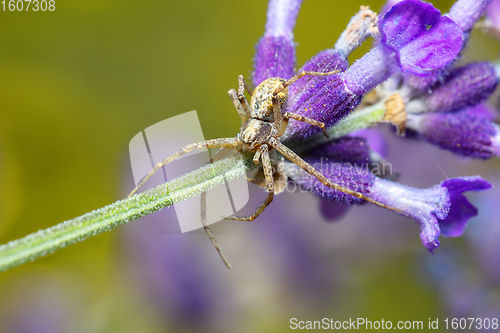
x=263, y=125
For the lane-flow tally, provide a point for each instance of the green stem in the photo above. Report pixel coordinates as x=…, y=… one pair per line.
x=57, y=237
x=49, y=240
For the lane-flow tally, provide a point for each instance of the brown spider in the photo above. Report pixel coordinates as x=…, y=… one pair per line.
x=263, y=125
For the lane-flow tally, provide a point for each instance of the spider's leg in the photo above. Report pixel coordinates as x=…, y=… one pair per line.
x=208, y=231
x=217, y=156
x=306, y=120
x=289, y=154
x=268, y=172
x=299, y=76
x=244, y=114
x=215, y=143
x=242, y=84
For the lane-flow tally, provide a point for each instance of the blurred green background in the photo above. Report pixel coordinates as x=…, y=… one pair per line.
x=78, y=83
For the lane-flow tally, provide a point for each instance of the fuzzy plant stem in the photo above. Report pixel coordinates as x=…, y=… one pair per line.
x=47, y=241
x=78, y=229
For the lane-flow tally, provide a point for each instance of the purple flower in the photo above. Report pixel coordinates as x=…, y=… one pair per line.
x=423, y=39
x=464, y=13
x=464, y=87
x=415, y=50
x=432, y=42
x=469, y=132
x=441, y=209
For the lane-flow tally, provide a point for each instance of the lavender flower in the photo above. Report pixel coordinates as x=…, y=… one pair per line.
x=465, y=13
x=441, y=209
x=432, y=42
x=415, y=48
x=468, y=132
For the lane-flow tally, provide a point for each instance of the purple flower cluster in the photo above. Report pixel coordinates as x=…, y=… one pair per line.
x=413, y=62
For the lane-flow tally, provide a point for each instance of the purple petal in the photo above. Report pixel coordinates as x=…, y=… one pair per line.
x=464, y=13
x=461, y=210
x=466, y=132
x=387, y=6
x=423, y=38
x=275, y=55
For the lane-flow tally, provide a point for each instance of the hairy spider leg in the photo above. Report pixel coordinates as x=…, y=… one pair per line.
x=310, y=121
x=209, y=232
x=301, y=75
x=214, y=143
x=242, y=82
x=217, y=156
x=242, y=112
x=242, y=86
x=268, y=173
x=293, y=157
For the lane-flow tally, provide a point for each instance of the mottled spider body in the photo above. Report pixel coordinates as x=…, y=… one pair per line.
x=261, y=103
x=262, y=125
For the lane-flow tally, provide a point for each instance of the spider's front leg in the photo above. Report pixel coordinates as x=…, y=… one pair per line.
x=300, y=75
x=239, y=101
x=214, y=143
x=268, y=173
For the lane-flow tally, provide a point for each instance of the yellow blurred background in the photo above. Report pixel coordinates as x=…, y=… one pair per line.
x=78, y=83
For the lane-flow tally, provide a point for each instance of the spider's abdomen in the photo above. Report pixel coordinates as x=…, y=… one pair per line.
x=261, y=104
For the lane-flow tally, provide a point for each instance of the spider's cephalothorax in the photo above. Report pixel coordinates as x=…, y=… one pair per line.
x=263, y=123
